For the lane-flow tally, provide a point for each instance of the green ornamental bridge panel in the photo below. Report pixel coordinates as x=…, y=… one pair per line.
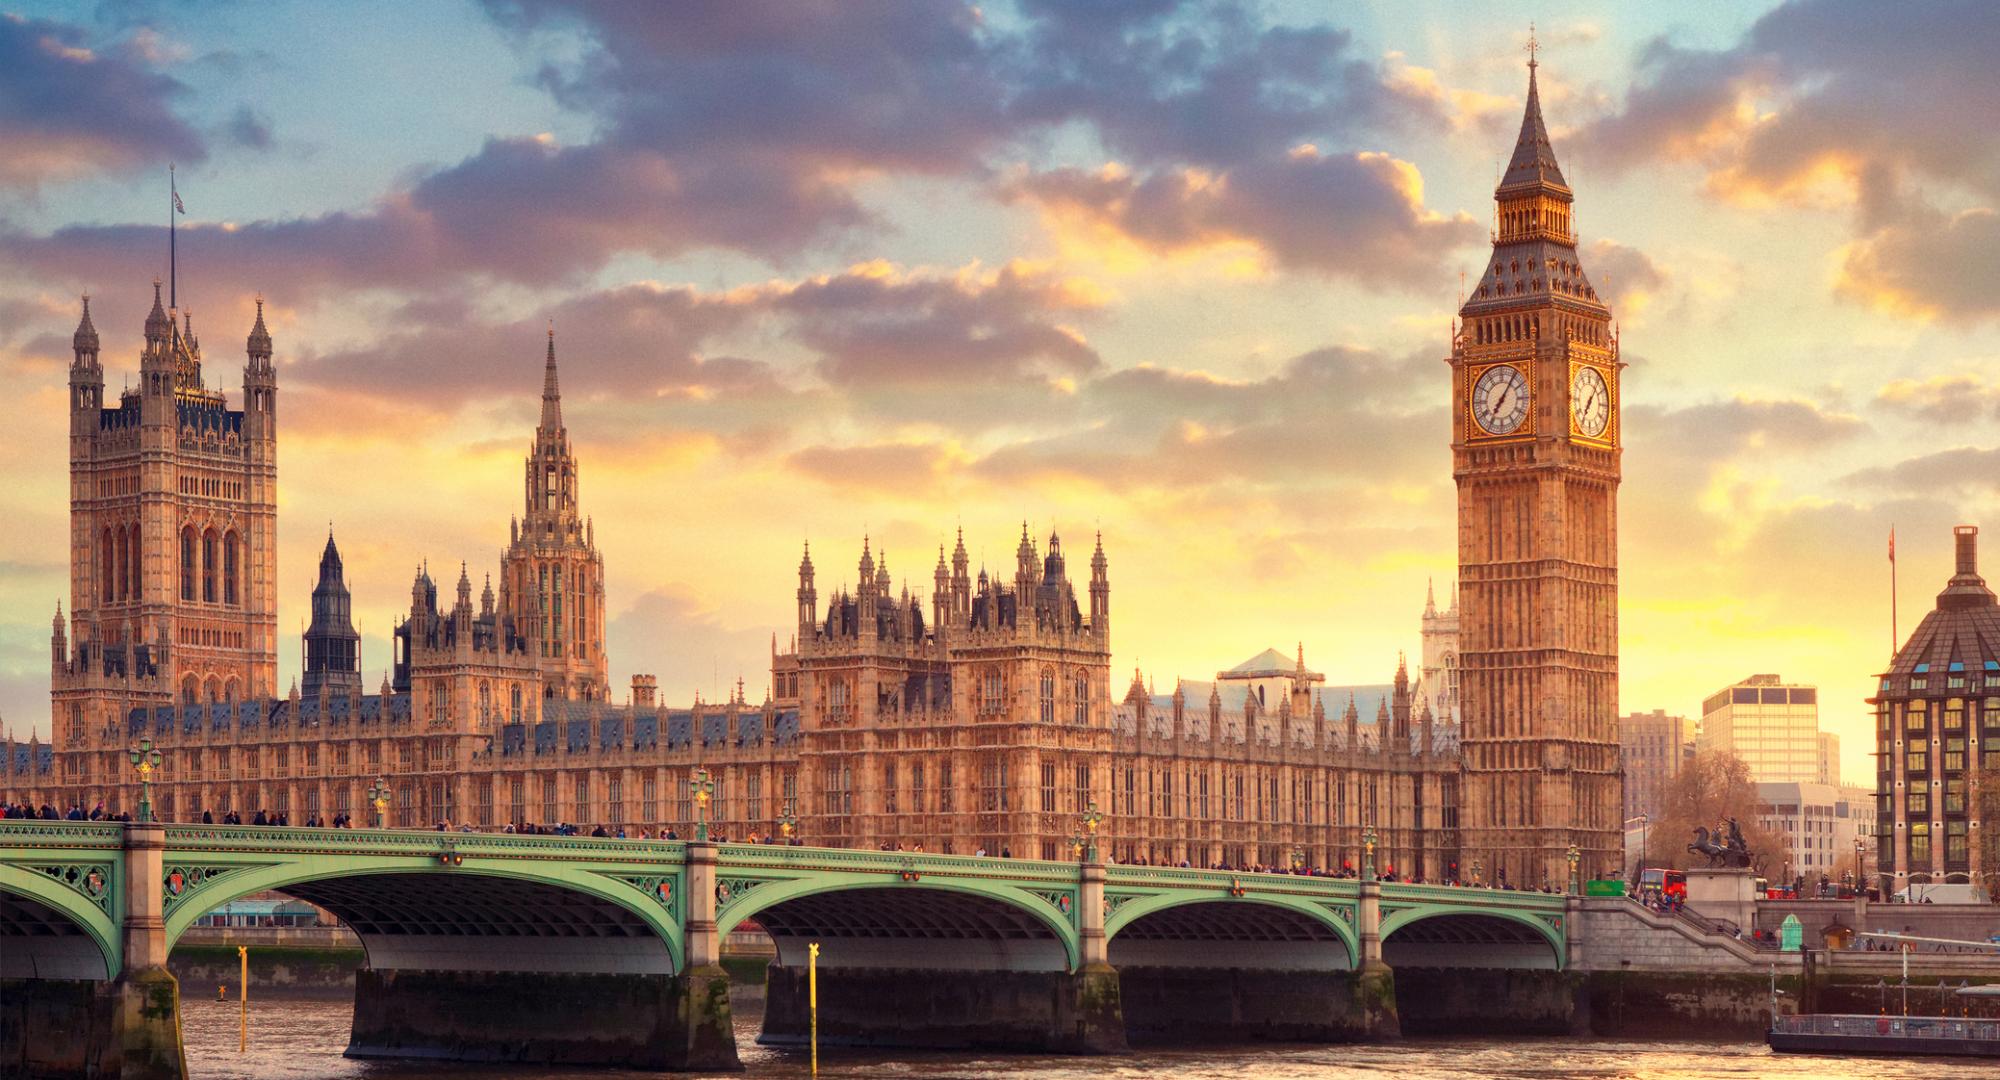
x=559, y=903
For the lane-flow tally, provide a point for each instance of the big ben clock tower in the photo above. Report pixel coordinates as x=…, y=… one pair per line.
x=1535, y=453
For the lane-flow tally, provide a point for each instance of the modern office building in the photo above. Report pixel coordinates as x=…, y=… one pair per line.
x=1819, y=822
x=1773, y=726
x=1652, y=747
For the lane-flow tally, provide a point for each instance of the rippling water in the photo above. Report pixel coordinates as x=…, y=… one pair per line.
x=303, y=1039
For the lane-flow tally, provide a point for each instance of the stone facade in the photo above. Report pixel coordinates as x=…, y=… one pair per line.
x=1536, y=455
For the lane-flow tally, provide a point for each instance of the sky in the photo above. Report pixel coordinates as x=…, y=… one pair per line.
x=1180, y=273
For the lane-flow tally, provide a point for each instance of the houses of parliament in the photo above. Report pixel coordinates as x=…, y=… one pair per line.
x=982, y=716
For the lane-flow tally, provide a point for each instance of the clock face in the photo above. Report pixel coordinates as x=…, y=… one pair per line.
x=1500, y=399
x=1590, y=401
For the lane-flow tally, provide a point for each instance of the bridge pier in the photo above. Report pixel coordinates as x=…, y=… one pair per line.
x=139, y=1037
x=1375, y=983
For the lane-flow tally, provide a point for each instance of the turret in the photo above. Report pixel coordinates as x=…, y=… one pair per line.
x=1100, y=591
x=58, y=642
x=156, y=375
x=961, y=581
x=808, y=596
x=86, y=378
x=940, y=593
x=1025, y=580
x=1399, y=732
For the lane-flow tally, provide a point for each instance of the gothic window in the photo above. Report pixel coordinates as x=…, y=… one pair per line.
x=110, y=569
x=187, y=563
x=889, y=788
x=1048, y=696
x=990, y=692
x=229, y=567
x=837, y=700
x=208, y=567
x=517, y=705
x=1048, y=787
x=1082, y=699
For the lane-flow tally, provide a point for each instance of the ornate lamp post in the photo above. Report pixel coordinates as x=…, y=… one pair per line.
x=1090, y=820
x=1298, y=860
x=1076, y=846
x=1575, y=857
x=788, y=823
x=1368, y=854
x=1475, y=871
x=702, y=786
x=144, y=760
x=378, y=797
x=1859, y=878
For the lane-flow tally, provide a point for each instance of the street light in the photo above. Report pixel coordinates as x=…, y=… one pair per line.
x=1298, y=859
x=1090, y=819
x=1368, y=854
x=145, y=759
x=1575, y=857
x=378, y=797
x=703, y=788
x=1475, y=870
x=1076, y=846
x=788, y=823
x=1859, y=878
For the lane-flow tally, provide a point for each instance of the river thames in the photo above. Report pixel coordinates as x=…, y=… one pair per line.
x=300, y=1039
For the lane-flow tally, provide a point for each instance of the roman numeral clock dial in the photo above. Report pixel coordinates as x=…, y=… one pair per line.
x=1500, y=399
x=1589, y=401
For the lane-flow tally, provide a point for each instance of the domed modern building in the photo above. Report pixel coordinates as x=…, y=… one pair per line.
x=1937, y=723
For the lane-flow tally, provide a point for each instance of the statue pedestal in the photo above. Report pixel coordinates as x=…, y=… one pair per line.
x=1728, y=895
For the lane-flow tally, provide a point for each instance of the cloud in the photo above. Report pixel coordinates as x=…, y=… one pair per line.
x=913, y=467
x=1842, y=103
x=1943, y=399
x=1333, y=418
x=1719, y=429
x=1629, y=280
x=1356, y=216
x=68, y=109
x=1963, y=469
x=1930, y=265
x=248, y=129
x=673, y=635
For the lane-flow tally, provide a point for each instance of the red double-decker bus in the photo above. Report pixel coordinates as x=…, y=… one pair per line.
x=1661, y=882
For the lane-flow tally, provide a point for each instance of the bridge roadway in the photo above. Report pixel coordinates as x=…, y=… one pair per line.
x=487, y=946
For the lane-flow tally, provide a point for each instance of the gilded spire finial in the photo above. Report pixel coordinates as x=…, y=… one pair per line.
x=1533, y=46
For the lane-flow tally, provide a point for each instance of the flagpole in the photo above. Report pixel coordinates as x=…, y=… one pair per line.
x=173, y=194
x=1895, y=637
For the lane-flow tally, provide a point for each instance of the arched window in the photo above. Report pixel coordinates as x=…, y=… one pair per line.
x=110, y=571
x=229, y=691
x=1048, y=696
x=214, y=690
x=133, y=534
x=187, y=564
x=229, y=564
x=190, y=691
x=517, y=705
x=1081, y=693
x=208, y=567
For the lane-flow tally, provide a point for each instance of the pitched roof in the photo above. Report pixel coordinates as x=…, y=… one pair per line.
x=1268, y=660
x=1534, y=159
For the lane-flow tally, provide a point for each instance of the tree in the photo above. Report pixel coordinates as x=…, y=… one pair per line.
x=1712, y=786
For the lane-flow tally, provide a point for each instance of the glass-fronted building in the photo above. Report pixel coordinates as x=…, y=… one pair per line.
x=1773, y=726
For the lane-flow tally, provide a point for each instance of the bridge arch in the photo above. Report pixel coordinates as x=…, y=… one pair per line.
x=1262, y=931
x=1448, y=936
x=871, y=921
x=415, y=913
x=51, y=930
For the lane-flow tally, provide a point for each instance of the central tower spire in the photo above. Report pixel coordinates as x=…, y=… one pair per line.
x=551, y=391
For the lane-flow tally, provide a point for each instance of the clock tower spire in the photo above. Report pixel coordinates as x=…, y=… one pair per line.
x=1535, y=453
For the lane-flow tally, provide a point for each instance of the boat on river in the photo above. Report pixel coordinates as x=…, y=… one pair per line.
x=1900, y=1036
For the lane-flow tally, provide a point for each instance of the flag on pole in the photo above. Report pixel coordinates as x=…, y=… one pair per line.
x=179, y=206
x=1892, y=543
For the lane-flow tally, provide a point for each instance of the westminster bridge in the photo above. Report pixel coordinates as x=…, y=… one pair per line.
x=485, y=946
